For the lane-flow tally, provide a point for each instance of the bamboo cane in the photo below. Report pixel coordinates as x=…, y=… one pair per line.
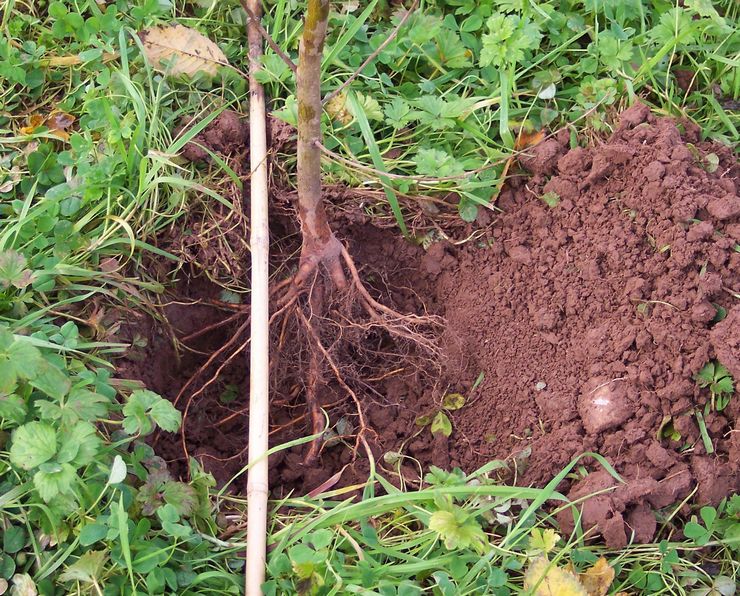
x=257, y=481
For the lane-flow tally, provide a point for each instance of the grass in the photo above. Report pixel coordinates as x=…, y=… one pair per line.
x=448, y=96
x=85, y=507
x=396, y=547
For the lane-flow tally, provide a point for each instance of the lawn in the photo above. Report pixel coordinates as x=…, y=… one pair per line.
x=437, y=454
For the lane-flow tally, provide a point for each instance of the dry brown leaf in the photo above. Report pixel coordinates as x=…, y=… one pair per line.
x=14, y=178
x=110, y=265
x=23, y=585
x=598, y=578
x=176, y=50
x=57, y=122
x=62, y=61
x=326, y=485
x=528, y=138
x=547, y=579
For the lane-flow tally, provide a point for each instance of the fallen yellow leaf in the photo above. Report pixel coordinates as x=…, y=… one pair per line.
x=34, y=121
x=62, y=61
x=175, y=50
x=598, y=578
x=547, y=579
x=337, y=109
x=528, y=138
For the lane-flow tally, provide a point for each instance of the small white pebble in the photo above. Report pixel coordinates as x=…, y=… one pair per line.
x=540, y=385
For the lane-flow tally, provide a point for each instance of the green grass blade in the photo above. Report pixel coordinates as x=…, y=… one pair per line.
x=521, y=528
x=122, y=518
x=377, y=158
x=347, y=36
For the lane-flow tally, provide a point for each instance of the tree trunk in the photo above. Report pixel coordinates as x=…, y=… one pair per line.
x=320, y=246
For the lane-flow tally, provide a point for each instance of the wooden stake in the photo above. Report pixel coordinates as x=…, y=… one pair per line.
x=257, y=482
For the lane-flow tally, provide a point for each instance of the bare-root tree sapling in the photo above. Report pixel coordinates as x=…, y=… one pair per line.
x=325, y=266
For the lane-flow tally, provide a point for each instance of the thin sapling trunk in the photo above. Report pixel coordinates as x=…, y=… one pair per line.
x=320, y=245
x=323, y=257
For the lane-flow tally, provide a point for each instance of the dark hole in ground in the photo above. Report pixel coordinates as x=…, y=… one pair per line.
x=588, y=319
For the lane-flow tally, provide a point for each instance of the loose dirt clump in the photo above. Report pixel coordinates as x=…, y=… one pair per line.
x=588, y=321
x=227, y=134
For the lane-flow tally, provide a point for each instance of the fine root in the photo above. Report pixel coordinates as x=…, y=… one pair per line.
x=331, y=348
x=416, y=333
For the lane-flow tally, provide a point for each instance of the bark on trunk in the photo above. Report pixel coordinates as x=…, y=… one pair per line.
x=319, y=243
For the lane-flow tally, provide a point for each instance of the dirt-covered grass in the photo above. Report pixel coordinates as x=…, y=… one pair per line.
x=102, y=208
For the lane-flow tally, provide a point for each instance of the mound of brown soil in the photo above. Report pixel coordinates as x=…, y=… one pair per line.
x=228, y=133
x=588, y=320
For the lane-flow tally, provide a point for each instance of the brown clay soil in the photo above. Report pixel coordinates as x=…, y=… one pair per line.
x=588, y=320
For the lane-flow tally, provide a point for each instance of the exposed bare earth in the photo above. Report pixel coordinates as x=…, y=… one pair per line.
x=588, y=319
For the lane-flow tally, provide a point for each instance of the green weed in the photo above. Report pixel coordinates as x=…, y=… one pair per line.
x=439, y=421
x=84, y=502
x=464, y=534
x=445, y=99
x=719, y=381
x=86, y=506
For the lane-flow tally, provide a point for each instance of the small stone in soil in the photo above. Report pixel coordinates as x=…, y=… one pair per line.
x=603, y=404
